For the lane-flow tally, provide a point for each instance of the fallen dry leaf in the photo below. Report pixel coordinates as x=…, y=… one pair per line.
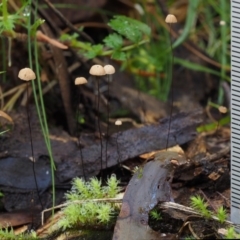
x=6, y=116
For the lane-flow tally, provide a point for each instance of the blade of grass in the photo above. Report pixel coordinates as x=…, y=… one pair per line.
x=197, y=67
x=4, y=65
x=223, y=5
x=211, y=29
x=191, y=19
x=40, y=108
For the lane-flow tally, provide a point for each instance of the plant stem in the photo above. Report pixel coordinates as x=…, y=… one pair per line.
x=171, y=89
x=98, y=121
x=107, y=133
x=4, y=11
x=33, y=158
x=223, y=7
x=118, y=152
x=127, y=48
x=41, y=112
x=81, y=157
x=80, y=149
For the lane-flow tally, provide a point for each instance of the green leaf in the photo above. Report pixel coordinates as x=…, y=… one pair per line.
x=129, y=28
x=215, y=125
x=36, y=25
x=118, y=55
x=94, y=51
x=113, y=41
x=67, y=37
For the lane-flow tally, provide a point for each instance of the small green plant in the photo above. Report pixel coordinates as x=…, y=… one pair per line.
x=155, y=214
x=139, y=170
x=10, y=235
x=231, y=234
x=221, y=214
x=136, y=32
x=198, y=203
x=89, y=212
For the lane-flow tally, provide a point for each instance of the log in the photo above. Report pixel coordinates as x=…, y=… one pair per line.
x=129, y=144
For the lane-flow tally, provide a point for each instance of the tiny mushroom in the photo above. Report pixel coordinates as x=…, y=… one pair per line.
x=97, y=70
x=109, y=69
x=80, y=80
x=222, y=109
x=171, y=19
x=118, y=123
x=26, y=74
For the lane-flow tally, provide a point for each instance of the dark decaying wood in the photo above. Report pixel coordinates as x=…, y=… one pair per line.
x=121, y=147
x=131, y=143
x=147, y=187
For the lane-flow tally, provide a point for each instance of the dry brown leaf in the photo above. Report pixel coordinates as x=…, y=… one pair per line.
x=6, y=116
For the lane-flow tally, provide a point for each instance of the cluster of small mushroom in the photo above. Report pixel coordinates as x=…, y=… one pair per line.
x=96, y=70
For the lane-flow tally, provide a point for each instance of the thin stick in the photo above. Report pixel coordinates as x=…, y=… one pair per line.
x=68, y=23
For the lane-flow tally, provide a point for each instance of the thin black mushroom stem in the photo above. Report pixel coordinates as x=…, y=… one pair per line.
x=170, y=19
x=27, y=74
x=98, y=71
x=109, y=70
x=80, y=81
x=118, y=123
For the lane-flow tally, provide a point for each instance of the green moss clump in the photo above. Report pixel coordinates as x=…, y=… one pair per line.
x=82, y=209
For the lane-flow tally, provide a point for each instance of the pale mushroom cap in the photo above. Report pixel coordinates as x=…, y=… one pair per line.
x=171, y=19
x=222, y=109
x=118, y=122
x=97, y=70
x=109, y=69
x=26, y=74
x=80, y=80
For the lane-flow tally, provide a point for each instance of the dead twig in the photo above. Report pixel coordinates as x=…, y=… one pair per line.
x=208, y=201
x=69, y=24
x=40, y=37
x=61, y=71
x=211, y=158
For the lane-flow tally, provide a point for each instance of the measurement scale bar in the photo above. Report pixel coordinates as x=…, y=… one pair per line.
x=235, y=111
